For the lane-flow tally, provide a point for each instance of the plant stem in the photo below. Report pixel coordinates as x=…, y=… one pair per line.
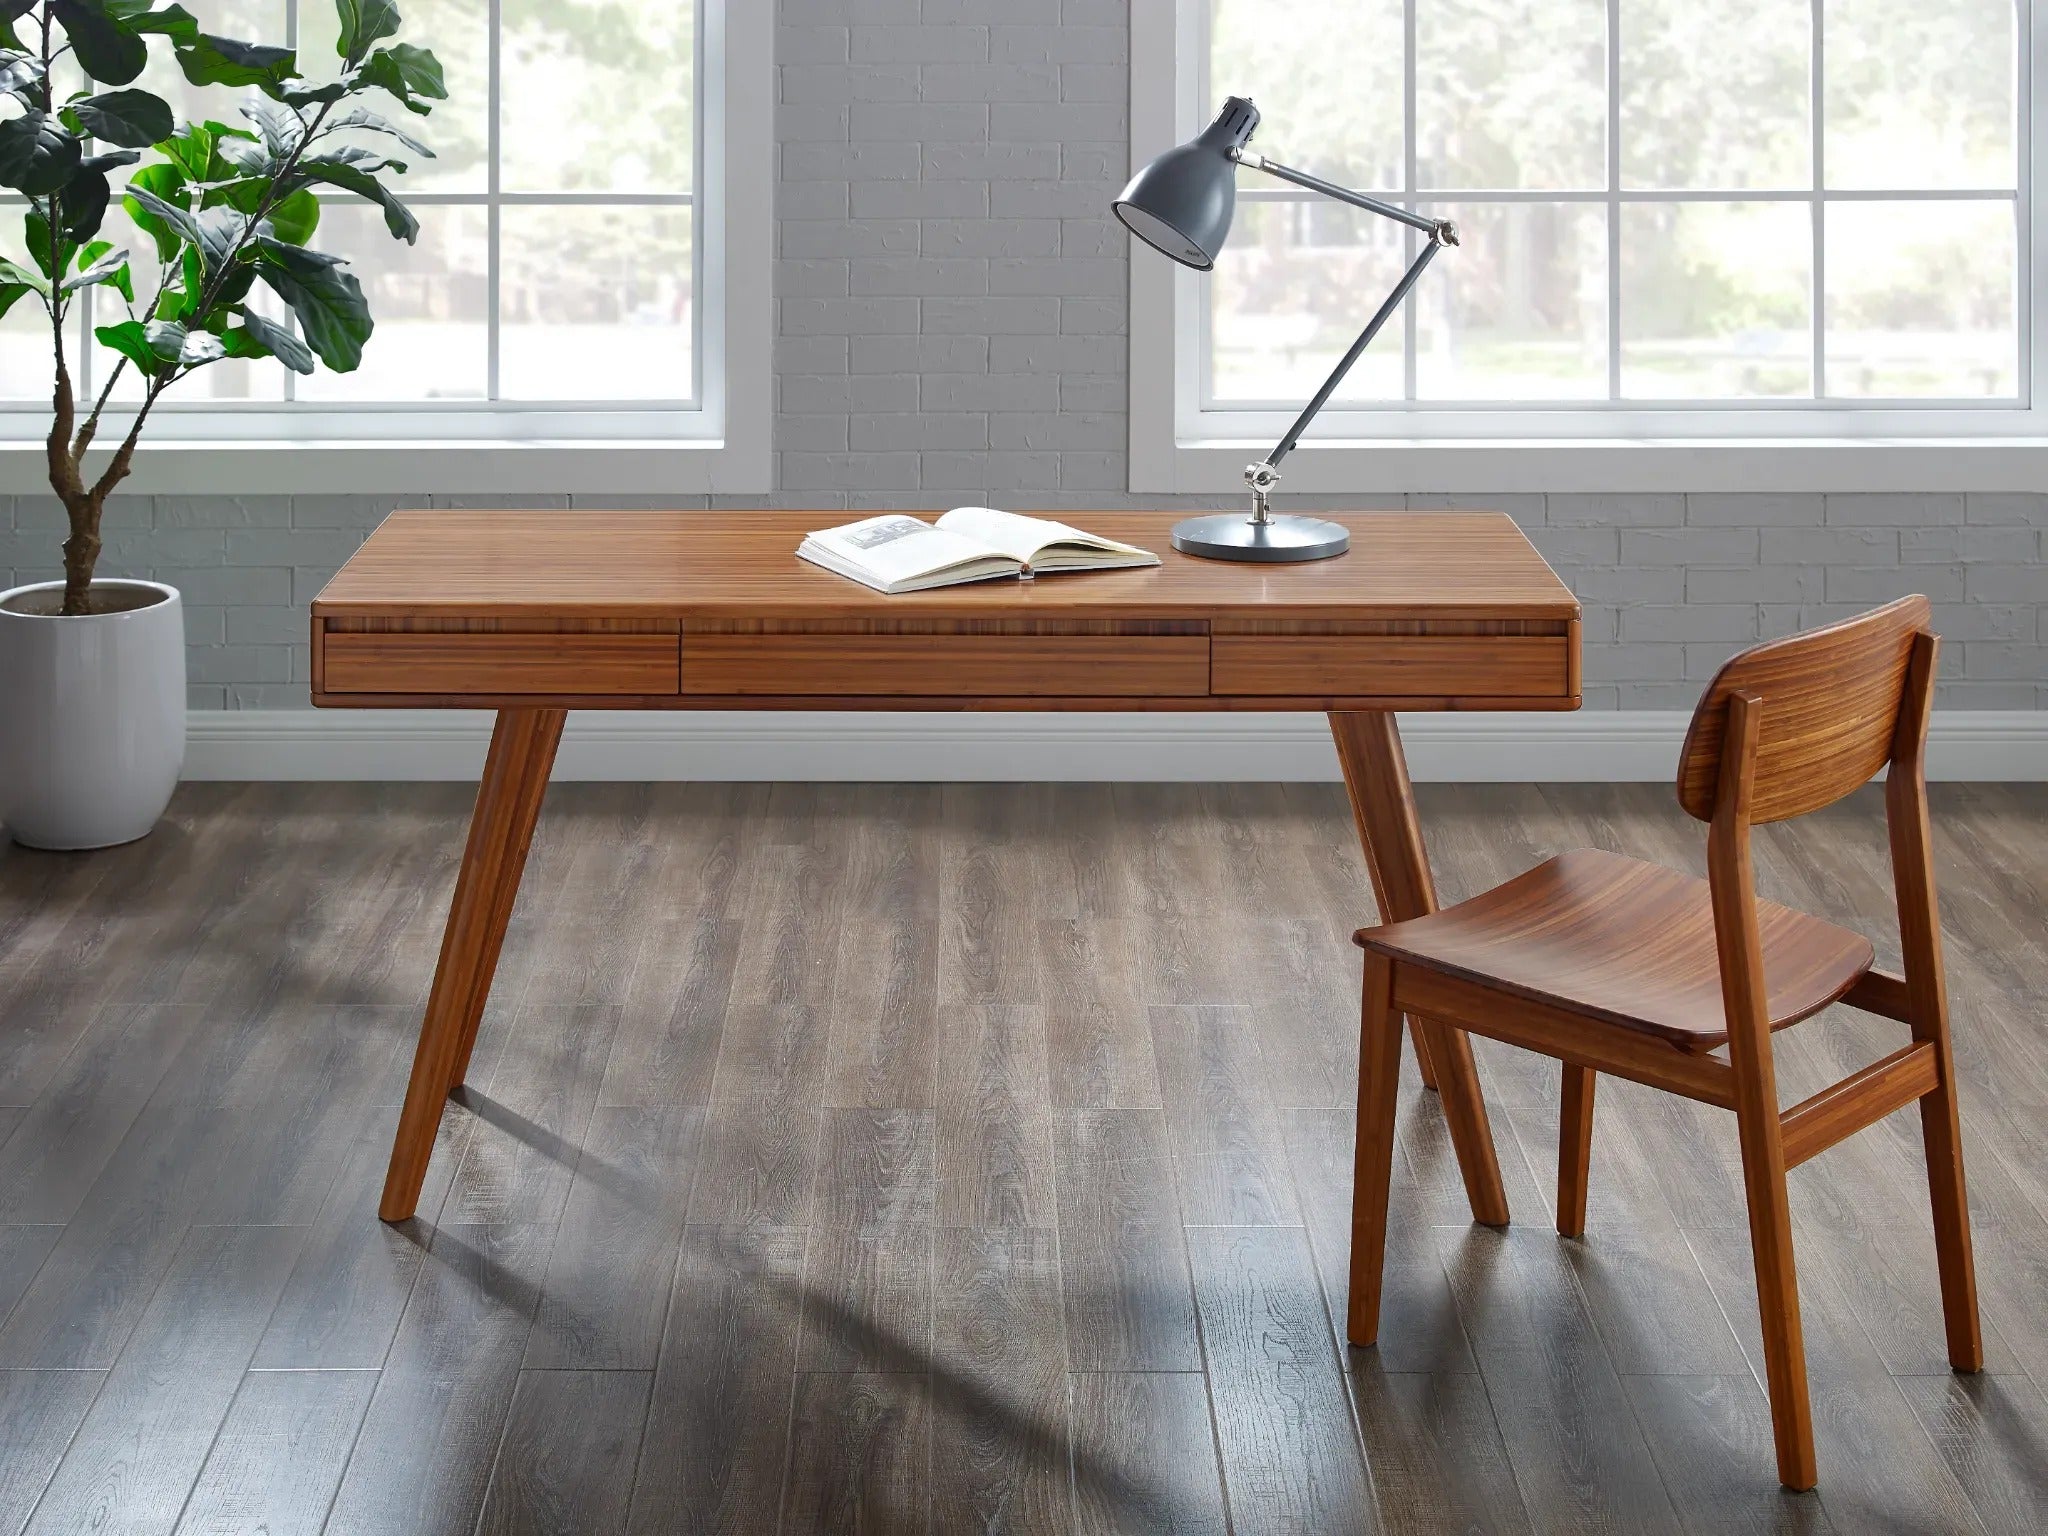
x=92, y=422
x=117, y=470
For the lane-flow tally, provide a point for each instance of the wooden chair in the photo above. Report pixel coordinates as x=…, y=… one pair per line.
x=1611, y=965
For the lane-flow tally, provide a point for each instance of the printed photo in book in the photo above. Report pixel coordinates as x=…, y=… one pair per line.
x=898, y=553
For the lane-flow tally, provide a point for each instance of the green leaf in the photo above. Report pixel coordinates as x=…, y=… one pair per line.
x=363, y=22
x=173, y=21
x=275, y=339
x=214, y=232
x=165, y=338
x=407, y=72
x=281, y=128
x=35, y=234
x=108, y=48
x=371, y=122
x=362, y=158
x=111, y=269
x=174, y=216
x=109, y=160
x=132, y=118
x=37, y=153
x=352, y=178
x=10, y=295
x=190, y=149
x=246, y=158
x=90, y=256
x=235, y=288
x=130, y=338
x=19, y=71
x=295, y=218
x=83, y=204
x=163, y=184
x=15, y=272
x=210, y=60
x=327, y=299
x=309, y=95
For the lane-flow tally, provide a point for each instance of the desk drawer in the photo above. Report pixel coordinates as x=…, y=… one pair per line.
x=1393, y=666
x=947, y=665
x=539, y=663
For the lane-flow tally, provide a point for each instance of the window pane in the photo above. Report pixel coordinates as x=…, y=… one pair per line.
x=1919, y=93
x=1511, y=93
x=458, y=31
x=1716, y=95
x=1293, y=289
x=27, y=365
x=595, y=304
x=1716, y=300
x=1921, y=300
x=1518, y=311
x=597, y=95
x=1326, y=75
x=429, y=301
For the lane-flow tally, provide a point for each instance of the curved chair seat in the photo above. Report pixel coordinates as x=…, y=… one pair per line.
x=1625, y=942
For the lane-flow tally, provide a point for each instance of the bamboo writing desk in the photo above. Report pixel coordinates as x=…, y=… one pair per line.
x=532, y=614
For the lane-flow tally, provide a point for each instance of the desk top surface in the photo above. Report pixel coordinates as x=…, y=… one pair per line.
x=598, y=564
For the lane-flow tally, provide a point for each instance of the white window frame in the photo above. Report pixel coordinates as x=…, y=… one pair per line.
x=718, y=443
x=1176, y=445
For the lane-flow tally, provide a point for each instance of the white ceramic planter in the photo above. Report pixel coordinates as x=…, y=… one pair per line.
x=92, y=716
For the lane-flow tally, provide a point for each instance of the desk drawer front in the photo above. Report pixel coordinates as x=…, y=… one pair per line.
x=947, y=666
x=538, y=663
x=1374, y=666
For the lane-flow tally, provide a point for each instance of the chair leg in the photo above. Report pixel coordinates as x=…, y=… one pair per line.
x=1941, y=1134
x=1777, y=1294
x=1379, y=1074
x=1574, y=1149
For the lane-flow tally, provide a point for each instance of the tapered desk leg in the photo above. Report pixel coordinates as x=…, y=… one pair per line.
x=500, y=831
x=1383, y=804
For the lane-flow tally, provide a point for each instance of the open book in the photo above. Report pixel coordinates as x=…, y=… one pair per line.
x=895, y=553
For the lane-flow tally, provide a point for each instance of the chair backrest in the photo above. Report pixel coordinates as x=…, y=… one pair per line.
x=1830, y=713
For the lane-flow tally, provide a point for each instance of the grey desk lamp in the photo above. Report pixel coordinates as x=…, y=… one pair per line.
x=1182, y=204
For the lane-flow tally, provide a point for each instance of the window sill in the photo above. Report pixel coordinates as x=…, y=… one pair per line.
x=422, y=468
x=1501, y=466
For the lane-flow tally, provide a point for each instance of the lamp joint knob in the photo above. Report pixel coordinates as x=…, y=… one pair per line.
x=1261, y=478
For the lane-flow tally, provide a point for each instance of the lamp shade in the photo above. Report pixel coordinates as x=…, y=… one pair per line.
x=1181, y=203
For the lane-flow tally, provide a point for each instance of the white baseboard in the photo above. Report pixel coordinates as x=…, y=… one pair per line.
x=1591, y=747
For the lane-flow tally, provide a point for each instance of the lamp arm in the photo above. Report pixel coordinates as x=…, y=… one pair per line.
x=1373, y=326
x=1263, y=476
x=1330, y=189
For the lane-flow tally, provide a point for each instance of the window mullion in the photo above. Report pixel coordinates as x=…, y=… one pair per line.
x=1816, y=88
x=1411, y=341
x=1613, y=199
x=291, y=41
x=2023, y=132
x=493, y=222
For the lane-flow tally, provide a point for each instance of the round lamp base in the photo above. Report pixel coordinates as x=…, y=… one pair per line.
x=1234, y=536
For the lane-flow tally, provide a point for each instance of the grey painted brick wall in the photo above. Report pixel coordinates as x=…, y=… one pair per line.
x=951, y=328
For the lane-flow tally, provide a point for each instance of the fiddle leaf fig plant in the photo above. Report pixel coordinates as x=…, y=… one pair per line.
x=225, y=208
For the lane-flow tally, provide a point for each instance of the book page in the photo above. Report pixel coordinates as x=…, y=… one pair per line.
x=898, y=548
x=1028, y=539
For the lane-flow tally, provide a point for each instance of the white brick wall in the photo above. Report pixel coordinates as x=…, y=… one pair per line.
x=951, y=328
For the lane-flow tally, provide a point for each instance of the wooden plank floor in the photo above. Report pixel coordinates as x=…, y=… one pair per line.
x=963, y=1159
